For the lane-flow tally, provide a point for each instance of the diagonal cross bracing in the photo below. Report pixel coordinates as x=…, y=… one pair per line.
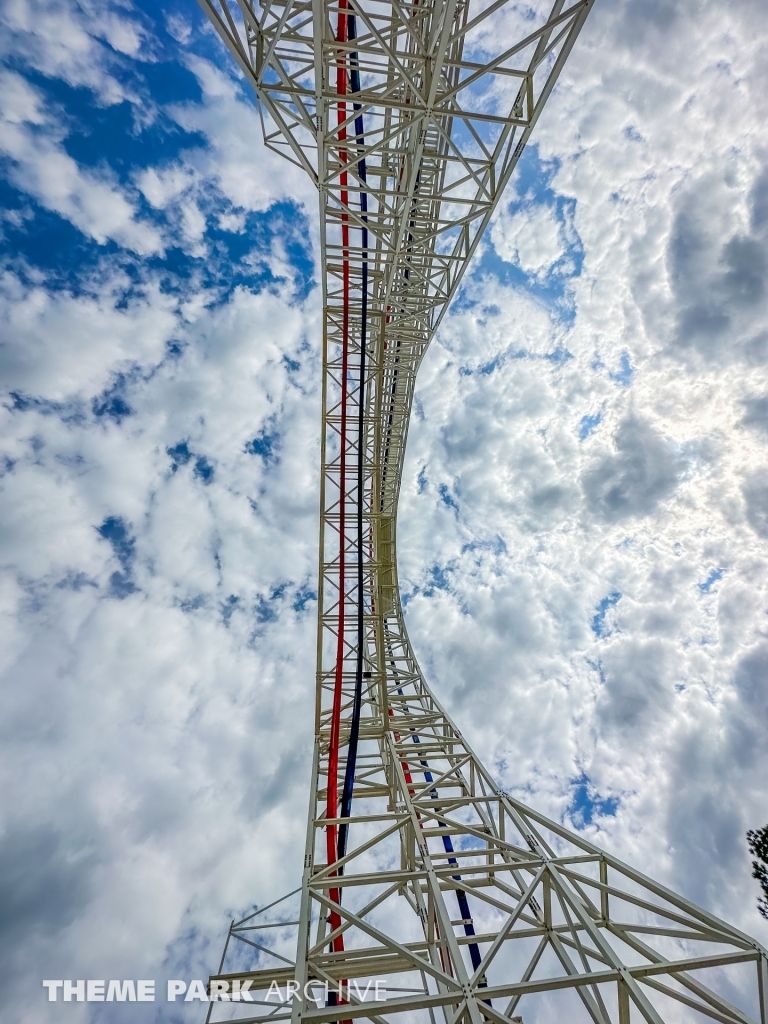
x=419, y=872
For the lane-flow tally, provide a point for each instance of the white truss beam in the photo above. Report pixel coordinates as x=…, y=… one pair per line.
x=469, y=905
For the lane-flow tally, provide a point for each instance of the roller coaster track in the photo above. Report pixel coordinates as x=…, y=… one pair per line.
x=420, y=873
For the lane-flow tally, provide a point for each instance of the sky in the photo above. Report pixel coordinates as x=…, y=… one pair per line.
x=583, y=531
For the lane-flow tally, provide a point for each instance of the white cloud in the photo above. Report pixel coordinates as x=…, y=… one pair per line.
x=66, y=348
x=179, y=28
x=160, y=186
x=249, y=174
x=532, y=238
x=165, y=692
x=41, y=167
x=62, y=40
x=667, y=346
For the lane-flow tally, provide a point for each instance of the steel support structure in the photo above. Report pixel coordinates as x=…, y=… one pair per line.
x=420, y=873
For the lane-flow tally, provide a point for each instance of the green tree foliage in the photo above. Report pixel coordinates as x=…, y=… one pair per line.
x=757, y=840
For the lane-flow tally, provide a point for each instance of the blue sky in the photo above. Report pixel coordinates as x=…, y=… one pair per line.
x=584, y=522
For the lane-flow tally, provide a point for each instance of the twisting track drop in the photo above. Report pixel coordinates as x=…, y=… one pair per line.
x=419, y=872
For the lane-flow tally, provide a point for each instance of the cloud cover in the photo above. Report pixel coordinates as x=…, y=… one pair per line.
x=584, y=520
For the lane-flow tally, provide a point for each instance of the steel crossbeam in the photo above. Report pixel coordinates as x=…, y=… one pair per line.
x=460, y=901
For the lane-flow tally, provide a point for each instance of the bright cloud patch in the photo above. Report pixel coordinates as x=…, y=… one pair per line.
x=533, y=238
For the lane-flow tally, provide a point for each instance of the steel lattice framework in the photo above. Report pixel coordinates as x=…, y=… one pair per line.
x=419, y=871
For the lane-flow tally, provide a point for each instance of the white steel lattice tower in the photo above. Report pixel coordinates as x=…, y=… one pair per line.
x=419, y=872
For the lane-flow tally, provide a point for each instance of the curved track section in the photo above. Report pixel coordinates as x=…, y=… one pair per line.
x=420, y=874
